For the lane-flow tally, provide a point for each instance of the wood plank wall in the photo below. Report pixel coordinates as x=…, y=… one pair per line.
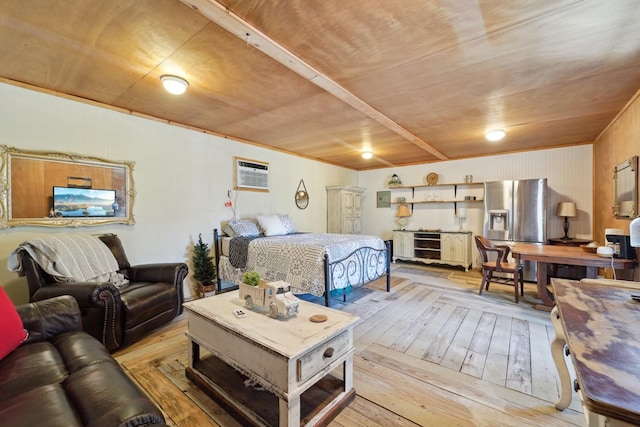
x=619, y=142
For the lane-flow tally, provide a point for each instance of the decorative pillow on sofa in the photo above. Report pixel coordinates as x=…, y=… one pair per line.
x=12, y=332
x=271, y=225
x=244, y=227
x=288, y=223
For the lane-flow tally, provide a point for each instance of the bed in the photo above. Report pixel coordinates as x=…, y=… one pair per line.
x=312, y=263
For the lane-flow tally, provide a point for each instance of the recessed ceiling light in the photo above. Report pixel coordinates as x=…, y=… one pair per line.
x=367, y=154
x=174, y=84
x=495, y=135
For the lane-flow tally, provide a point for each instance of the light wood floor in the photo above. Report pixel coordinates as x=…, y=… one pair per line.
x=430, y=353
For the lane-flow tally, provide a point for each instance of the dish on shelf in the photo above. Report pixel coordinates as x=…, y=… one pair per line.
x=432, y=178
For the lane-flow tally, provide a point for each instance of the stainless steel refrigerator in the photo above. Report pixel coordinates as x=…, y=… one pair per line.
x=516, y=211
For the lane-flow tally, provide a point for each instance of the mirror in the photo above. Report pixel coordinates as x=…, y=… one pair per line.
x=625, y=190
x=302, y=197
x=103, y=190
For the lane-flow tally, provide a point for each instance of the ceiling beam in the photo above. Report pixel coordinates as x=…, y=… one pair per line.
x=225, y=18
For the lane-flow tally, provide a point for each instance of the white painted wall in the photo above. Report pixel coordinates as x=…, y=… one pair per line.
x=181, y=177
x=569, y=174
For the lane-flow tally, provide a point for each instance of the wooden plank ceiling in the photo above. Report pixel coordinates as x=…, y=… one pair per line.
x=414, y=81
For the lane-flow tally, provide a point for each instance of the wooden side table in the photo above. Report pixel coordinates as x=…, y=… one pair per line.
x=565, y=271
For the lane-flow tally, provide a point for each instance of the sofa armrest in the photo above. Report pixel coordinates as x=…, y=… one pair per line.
x=87, y=294
x=167, y=272
x=100, y=307
x=50, y=317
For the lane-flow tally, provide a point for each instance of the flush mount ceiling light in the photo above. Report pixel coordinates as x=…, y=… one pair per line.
x=174, y=84
x=367, y=154
x=495, y=135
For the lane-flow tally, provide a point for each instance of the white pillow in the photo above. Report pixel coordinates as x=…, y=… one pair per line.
x=271, y=225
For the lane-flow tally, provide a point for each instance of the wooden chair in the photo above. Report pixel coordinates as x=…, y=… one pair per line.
x=501, y=264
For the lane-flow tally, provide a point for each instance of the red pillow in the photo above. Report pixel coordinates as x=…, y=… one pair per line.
x=12, y=331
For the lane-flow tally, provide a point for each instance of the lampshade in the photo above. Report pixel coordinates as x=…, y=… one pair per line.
x=403, y=211
x=367, y=154
x=174, y=84
x=566, y=209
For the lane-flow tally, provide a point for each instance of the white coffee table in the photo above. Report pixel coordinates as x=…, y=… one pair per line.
x=285, y=356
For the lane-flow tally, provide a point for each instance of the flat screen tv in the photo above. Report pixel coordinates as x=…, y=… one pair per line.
x=84, y=202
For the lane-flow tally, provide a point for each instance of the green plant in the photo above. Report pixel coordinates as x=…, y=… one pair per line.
x=251, y=278
x=204, y=271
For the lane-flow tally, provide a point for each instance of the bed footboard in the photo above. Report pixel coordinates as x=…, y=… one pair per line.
x=216, y=258
x=362, y=266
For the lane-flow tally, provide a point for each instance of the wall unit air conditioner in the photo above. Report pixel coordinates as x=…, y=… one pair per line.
x=251, y=175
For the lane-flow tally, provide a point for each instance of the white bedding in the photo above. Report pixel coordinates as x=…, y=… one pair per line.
x=298, y=260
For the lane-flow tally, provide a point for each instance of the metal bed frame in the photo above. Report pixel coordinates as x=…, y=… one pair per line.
x=361, y=257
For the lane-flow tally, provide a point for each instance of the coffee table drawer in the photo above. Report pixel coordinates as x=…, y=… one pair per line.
x=318, y=358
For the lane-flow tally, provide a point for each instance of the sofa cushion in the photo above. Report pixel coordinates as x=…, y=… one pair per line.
x=47, y=405
x=29, y=367
x=104, y=397
x=80, y=349
x=12, y=332
x=142, y=301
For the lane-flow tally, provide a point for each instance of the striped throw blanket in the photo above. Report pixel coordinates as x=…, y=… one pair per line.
x=68, y=258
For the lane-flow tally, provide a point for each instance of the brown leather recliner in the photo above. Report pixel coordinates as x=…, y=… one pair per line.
x=118, y=316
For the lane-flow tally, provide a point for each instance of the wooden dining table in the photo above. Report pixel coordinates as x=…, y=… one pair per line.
x=546, y=255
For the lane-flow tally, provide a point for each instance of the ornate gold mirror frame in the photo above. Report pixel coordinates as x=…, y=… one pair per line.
x=27, y=179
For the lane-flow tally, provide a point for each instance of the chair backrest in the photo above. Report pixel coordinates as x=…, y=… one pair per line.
x=37, y=277
x=115, y=245
x=483, y=245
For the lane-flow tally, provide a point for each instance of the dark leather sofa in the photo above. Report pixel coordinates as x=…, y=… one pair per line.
x=62, y=376
x=116, y=316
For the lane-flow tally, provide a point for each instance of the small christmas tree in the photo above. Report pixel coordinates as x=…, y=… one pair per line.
x=204, y=272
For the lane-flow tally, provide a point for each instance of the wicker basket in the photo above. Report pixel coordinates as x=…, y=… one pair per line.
x=203, y=289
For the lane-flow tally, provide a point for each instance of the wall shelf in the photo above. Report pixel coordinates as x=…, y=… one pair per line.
x=455, y=184
x=422, y=187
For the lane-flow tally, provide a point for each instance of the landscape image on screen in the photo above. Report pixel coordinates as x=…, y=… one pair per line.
x=84, y=202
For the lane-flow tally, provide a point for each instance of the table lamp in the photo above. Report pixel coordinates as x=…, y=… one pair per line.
x=403, y=213
x=566, y=209
x=461, y=214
